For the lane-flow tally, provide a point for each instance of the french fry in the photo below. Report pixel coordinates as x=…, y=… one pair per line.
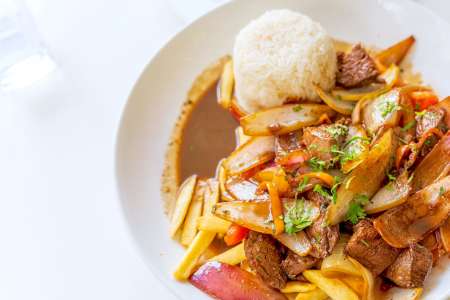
x=194, y=212
x=356, y=283
x=369, y=280
x=298, y=287
x=334, y=288
x=226, y=85
x=213, y=224
x=211, y=196
x=232, y=256
x=444, y=230
x=316, y=294
x=200, y=243
x=184, y=198
x=338, y=263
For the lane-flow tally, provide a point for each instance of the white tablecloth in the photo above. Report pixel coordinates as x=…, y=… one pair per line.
x=62, y=232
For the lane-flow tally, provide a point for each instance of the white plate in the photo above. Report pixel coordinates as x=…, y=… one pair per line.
x=154, y=102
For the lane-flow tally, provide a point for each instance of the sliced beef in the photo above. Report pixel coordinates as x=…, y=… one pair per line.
x=323, y=238
x=294, y=265
x=264, y=257
x=432, y=118
x=367, y=247
x=319, y=141
x=411, y=267
x=287, y=143
x=356, y=68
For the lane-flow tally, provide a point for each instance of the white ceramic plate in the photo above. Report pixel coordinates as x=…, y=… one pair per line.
x=154, y=102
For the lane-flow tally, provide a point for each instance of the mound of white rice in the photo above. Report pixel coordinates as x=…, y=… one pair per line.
x=280, y=56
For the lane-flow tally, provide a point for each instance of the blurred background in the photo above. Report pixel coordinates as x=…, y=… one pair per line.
x=66, y=68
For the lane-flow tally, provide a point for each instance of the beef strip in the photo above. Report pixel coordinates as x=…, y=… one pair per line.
x=411, y=267
x=432, y=118
x=367, y=247
x=356, y=68
x=264, y=257
x=323, y=238
x=287, y=143
x=294, y=265
x=318, y=140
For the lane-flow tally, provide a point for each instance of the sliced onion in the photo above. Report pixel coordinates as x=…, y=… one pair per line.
x=422, y=213
x=356, y=93
x=254, y=152
x=283, y=119
x=297, y=242
x=343, y=107
x=359, y=146
x=391, y=195
x=395, y=53
x=244, y=190
x=338, y=263
x=375, y=114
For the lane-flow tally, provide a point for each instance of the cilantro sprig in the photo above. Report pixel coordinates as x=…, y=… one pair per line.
x=355, y=210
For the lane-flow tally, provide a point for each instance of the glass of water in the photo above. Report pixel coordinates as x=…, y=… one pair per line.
x=23, y=57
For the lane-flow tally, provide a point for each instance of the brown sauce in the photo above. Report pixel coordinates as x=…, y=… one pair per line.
x=208, y=136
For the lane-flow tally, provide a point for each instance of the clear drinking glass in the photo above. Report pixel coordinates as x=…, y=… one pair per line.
x=23, y=56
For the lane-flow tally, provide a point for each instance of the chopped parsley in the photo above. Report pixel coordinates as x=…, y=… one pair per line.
x=316, y=164
x=297, y=217
x=335, y=150
x=297, y=108
x=408, y=125
x=337, y=130
x=337, y=182
x=355, y=210
x=388, y=107
x=421, y=113
x=441, y=191
x=390, y=176
x=322, y=191
x=302, y=185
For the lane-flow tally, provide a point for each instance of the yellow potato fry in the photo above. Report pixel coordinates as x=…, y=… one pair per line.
x=334, y=288
x=338, y=263
x=184, y=198
x=194, y=212
x=226, y=85
x=212, y=223
x=298, y=287
x=316, y=294
x=232, y=256
x=211, y=196
x=397, y=293
x=369, y=280
x=356, y=283
x=196, y=248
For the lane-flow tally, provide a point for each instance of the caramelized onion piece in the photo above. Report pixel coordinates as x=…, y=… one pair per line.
x=422, y=213
x=297, y=242
x=365, y=179
x=391, y=195
x=395, y=53
x=283, y=119
x=382, y=111
x=254, y=152
x=343, y=107
x=434, y=166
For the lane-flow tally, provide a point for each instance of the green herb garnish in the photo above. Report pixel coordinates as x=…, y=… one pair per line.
x=388, y=107
x=441, y=191
x=408, y=125
x=297, y=217
x=303, y=184
x=316, y=164
x=337, y=130
x=297, y=108
x=355, y=210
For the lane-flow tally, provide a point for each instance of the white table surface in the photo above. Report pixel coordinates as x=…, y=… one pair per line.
x=62, y=232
